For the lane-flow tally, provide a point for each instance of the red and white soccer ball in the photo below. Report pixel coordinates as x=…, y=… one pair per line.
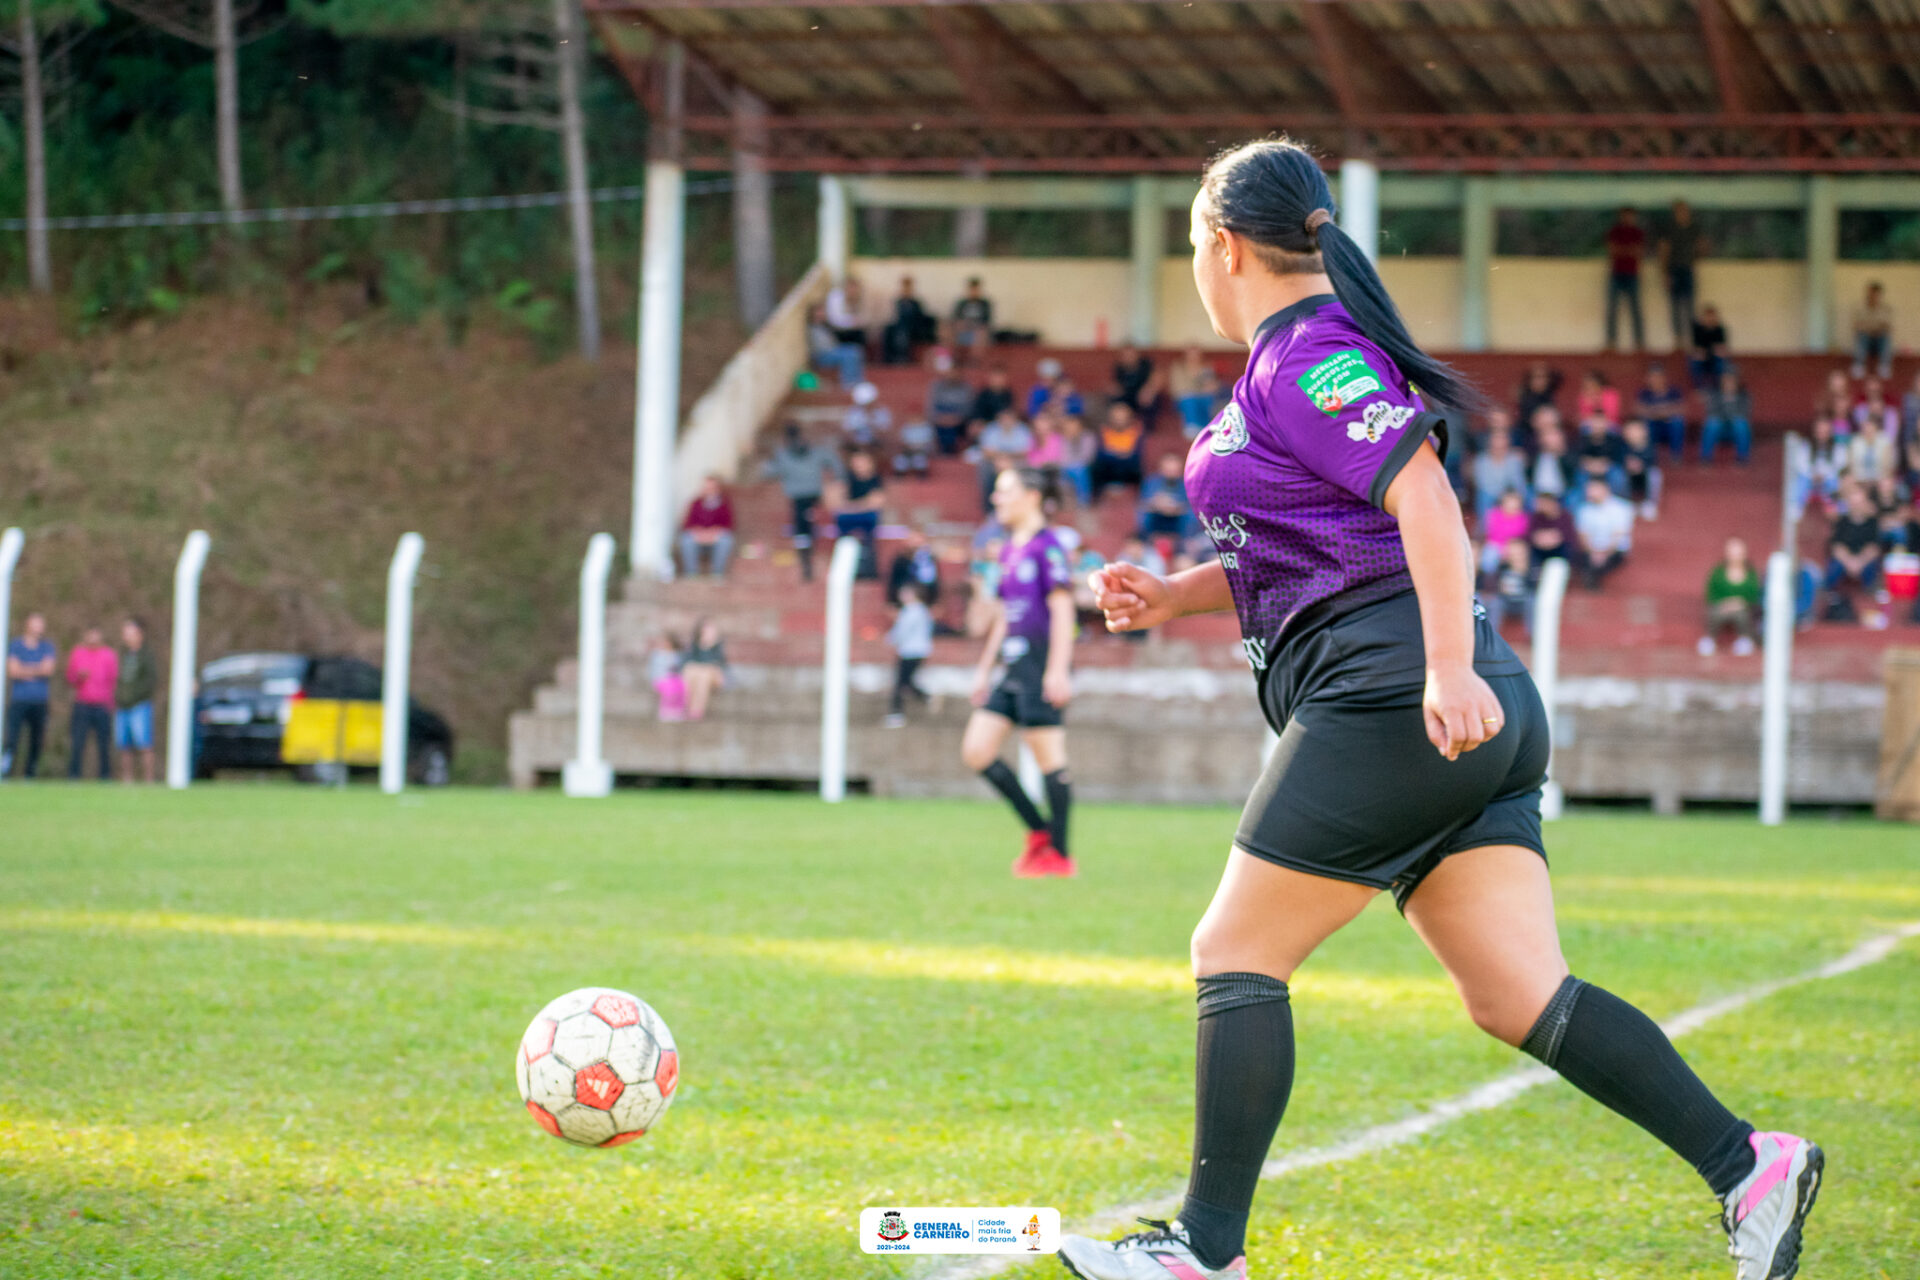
x=597, y=1067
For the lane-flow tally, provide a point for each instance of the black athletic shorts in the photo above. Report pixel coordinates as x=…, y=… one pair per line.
x=1354, y=790
x=1018, y=696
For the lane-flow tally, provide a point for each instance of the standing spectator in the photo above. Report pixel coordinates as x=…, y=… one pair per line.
x=802, y=468
x=1194, y=386
x=1507, y=522
x=709, y=528
x=704, y=670
x=950, y=401
x=861, y=500
x=1680, y=249
x=1550, y=532
x=1540, y=389
x=30, y=666
x=1004, y=442
x=915, y=566
x=1598, y=399
x=1708, y=359
x=1665, y=410
x=1853, y=553
x=1117, y=458
x=1164, y=509
x=1134, y=382
x=1640, y=465
x=843, y=312
x=912, y=326
x=866, y=419
x=93, y=671
x=1077, y=450
x=1729, y=417
x=829, y=352
x=1873, y=334
x=1514, y=583
x=973, y=321
x=911, y=636
x=1552, y=468
x=1733, y=600
x=1496, y=469
x=1605, y=526
x=133, y=701
x=993, y=398
x=1626, y=245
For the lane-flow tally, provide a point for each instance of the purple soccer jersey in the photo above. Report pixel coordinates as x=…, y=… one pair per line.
x=1029, y=573
x=1289, y=478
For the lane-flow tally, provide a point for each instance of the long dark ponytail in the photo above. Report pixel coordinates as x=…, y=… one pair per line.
x=1270, y=192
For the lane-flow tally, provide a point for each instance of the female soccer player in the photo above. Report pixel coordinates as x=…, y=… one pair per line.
x=1033, y=635
x=1412, y=743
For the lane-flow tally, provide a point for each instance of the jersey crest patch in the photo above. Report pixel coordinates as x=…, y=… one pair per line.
x=1343, y=378
x=1230, y=433
x=1379, y=418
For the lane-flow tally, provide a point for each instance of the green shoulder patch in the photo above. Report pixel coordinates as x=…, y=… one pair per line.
x=1343, y=378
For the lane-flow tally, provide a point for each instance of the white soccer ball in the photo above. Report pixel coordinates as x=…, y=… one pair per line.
x=597, y=1067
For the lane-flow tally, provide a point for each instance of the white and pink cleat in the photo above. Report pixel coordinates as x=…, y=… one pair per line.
x=1764, y=1214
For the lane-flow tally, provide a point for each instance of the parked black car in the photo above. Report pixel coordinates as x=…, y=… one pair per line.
x=247, y=700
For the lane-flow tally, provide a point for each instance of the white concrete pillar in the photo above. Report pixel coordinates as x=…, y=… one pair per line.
x=1360, y=205
x=396, y=678
x=657, y=395
x=1476, y=263
x=836, y=669
x=836, y=226
x=1149, y=247
x=1823, y=248
x=10, y=543
x=1776, y=688
x=970, y=220
x=588, y=774
x=752, y=211
x=186, y=644
x=1547, y=601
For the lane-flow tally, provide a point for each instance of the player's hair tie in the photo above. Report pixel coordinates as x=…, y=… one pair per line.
x=1317, y=219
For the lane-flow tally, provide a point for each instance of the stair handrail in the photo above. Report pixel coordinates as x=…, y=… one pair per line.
x=1790, y=453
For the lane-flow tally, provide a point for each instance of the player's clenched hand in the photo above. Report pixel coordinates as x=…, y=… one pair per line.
x=1130, y=598
x=1057, y=688
x=982, y=686
x=1461, y=710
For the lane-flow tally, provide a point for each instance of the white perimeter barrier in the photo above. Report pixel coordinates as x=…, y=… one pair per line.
x=10, y=543
x=1774, y=687
x=834, y=673
x=395, y=690
x=588, y=775
x=186, y=643
x=1551, y=594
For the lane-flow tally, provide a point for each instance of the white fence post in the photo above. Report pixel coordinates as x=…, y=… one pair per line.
x=1551, y=594
x=1789, y=515
x=395, y=678
x=834, y=674
x=186, y=643
x=1774, y=688
x=588, y=775
x=10, y=543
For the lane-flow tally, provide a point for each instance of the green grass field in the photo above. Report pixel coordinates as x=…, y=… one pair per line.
x=269, y=1032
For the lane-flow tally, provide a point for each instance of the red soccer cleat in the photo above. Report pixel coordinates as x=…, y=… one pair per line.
x=1037, y=860
x=1060, y=864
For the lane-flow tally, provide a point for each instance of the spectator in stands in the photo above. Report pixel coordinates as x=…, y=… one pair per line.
x=1815, y=467
x=1665, y=410
x=914, y=565
x=1550, y=531
x=1853, y=553
x=983, y=578
x=133, y=703
x=829, y=353
x=1194, y=386
x=663, y=673
x=1135, y=384
x=1680, y=249
x=1004, y=442
x=1164, y=509
x=1873, y=452
x=912, y=326
x=704, y=669
x=911, y=636
x=1598, y=399
x=996, y=396
x=950, y=405
x=1048, y=373
x=1117, y=458
x=1598, y=454
x=1496, y=469
x=1077, y=449
x=1605, y=526
x=862, y=499
x=1733, y=600
x=844, y=307
x=1552, y=468
x=1137, y=550
x=973, y=321
x=93, y=670
x=1626, y=246
x=1514, y=584
x=30, y=665
x=708, y=527
x=1708, y=359
x=1540, y=389
x=1640, y=466
x=866, y=419
x=1910, y=425
x=1729, y=417
x=914, y=458
x=1508, y=521
x=803, y=469
x=1873, y=334
x=1064, y=398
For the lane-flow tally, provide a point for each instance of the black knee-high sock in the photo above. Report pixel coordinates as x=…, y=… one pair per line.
x=1620, y=1058
x=1243, y=1075
x=1059, y=800
x=1003, y=780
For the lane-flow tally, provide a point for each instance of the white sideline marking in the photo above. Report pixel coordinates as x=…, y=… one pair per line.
x=1496, y=1092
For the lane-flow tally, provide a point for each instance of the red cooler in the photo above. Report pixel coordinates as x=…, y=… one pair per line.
x=1903, y=575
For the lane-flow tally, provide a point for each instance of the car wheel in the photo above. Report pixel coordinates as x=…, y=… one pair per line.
x=432, y=766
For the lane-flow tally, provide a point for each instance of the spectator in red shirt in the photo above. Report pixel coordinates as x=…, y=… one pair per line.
x=93, y=669
x=708, y=527
x=1626, y=245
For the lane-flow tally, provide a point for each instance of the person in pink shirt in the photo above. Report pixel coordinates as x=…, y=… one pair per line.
x=1598, y=398
x=93, y=669
x=1506, y=520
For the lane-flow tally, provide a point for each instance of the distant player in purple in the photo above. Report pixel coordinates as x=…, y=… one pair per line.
x=1412, y=742
x=1033, y=638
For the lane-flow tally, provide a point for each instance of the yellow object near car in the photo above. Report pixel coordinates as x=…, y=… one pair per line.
x=331, y=731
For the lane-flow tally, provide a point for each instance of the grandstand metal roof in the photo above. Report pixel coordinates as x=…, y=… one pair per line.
x=1749, y=86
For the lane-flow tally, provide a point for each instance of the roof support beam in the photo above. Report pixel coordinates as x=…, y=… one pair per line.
x=1741, y=74
x=1362, y=72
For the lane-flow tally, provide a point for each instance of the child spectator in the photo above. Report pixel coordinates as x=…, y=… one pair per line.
x=1552, y=468
x=1117, y=459
x=950, y=402
x=1605, y=525
x=914, y=566
x=704, y=668
x=1597, y=399
x=663, y=673
x=1496, y=469
x=1853, y=554
x=708, y=527
x=1077, y=449
x=914, y=457
x=1550, y=531
x=93, y=671
x=1164, y=510
x=1729, y=417
x=1733, y=600
x=1193, y=385
x=1507, y=522
x=1514, y=582
x=1873, y=334
x=1640, y=465
x=133, y=702
x=1664, y=408
x=866, y=419
x=911, y=636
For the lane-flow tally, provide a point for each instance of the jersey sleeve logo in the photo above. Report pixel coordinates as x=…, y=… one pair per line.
x=1230, y=432
x=1379, y=418
x=1343, y=378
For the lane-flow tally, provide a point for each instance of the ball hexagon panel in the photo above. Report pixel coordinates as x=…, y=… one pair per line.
x=538, y=1041
x=617, y=1009
x=585, y=1125
x=667, y=1077
x=622, y=1139
x=640, y=1107
x=520, y=1074
x=543, y=1118
x=549, y=1083
x=632, y=1054
x=582, y=1040
x=597, y=1087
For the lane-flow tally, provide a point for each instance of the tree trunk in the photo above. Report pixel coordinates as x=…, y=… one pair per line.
x=571, y=35
x=752, y=211
x=226, y=74
x=39, y=258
